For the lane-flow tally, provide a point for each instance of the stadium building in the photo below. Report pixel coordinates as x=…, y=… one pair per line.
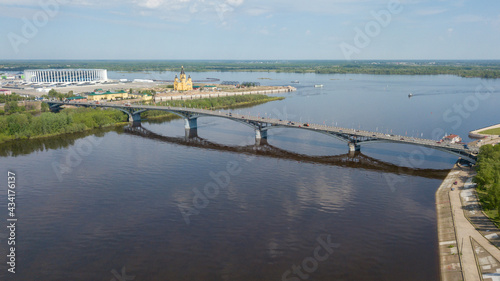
x=65, y=75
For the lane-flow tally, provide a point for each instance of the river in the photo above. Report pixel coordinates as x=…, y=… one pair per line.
x=127, y=205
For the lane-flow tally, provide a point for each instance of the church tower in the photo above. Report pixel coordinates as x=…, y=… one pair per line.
x=181, y=83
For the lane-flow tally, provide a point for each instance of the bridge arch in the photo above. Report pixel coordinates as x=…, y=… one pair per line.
x=261, y=127
x=347, y=139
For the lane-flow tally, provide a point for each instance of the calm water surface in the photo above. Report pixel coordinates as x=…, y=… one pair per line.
x=130, y=204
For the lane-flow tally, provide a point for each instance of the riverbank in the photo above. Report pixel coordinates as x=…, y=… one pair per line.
x=450, y=262
x=483, y=69
x=24, y=125
x=197, y=95
x=488, y=135
x=467, y=238
x=238, y=101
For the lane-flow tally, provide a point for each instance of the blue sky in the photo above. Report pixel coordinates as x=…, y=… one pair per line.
x=249, y=29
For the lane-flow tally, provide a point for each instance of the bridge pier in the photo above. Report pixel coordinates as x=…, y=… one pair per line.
x=354, y=147
x=191, y=133
x=260, y=137
x=260, y=141
x=134, y=117
x=190, y=123
x=260, y=134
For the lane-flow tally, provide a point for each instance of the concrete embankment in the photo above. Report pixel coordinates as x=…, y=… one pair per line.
x=224, y=94
x=467, y=239
x=449, y=259
x=476, y=133
x=483, y=138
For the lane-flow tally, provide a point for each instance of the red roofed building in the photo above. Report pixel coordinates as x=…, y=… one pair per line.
x=452, y=139
x=5, y=92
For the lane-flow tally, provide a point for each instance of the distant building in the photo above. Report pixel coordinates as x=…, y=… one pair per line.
x=140, y=96
x=210, y=88
x=234, y=83
x=5, y=92
x=183, y=84
x=451, y=139
x=99, y=94
x=65, y=75
x=77, y=99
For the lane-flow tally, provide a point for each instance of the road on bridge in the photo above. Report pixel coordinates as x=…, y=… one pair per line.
x=264, y=123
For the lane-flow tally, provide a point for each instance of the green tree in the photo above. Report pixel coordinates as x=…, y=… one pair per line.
x=52, y=93
x=12, y=107
x=44, y=107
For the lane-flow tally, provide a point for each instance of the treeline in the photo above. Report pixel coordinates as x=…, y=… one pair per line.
x=221, y=102
x=484, y=69
x=211, y=103
x=20, y=122
x=469, y=71
x=13, y=97
x=488, y=178
x=25, y=125
x=32, y=107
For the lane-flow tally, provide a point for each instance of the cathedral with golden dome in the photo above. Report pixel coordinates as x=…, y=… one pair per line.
x=183, y=84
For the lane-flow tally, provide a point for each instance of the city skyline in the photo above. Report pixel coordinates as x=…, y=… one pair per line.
x=250, y=30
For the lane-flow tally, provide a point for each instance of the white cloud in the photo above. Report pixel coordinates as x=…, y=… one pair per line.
x=257, y=11
x=470, y=19
x=264, y=31
x=430, y=12
x=235, y=3
x=150, y=4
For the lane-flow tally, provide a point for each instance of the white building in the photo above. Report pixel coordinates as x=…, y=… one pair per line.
x=452, y=139
x=65, y=75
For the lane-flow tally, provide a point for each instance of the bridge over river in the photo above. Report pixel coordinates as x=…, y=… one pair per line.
x=354, y=138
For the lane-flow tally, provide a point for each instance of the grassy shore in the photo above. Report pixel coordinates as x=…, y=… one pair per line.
x=26, y=125
x=495, y=131
x=32, y=125
x=210, y=103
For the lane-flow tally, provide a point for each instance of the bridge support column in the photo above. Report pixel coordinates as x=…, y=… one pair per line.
x=260, y=141
x=191, y=133
x=260, y=137
x=354, y=147
x=134, y=117
x=190, y=123
x=260, y=134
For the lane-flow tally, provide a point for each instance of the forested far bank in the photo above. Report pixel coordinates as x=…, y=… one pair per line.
x=480, y=68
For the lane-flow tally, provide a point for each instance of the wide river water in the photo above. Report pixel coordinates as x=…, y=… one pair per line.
x=149, y=204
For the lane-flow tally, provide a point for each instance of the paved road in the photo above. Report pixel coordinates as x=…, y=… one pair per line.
x=285, y=123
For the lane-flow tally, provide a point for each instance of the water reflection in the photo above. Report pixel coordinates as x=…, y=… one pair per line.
x=28, y=146
x=351, y=160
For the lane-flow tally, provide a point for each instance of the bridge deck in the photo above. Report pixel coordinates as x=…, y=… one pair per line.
x=361, y=135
